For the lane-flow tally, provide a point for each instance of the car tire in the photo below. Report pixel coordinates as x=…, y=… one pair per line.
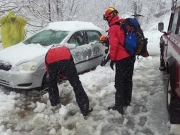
x=168, y=94
x=170, y=90
x=45, y=82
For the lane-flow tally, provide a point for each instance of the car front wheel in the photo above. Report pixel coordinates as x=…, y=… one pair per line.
x=170, y=91
x=168, y=94
x=45, y=82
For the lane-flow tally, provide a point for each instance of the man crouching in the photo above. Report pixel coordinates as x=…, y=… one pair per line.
x=59, y=61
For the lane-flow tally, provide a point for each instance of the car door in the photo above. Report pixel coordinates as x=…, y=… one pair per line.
x=82, y=51
x=172, y=47
x=178, y=44
x=170, y=44
x=97, y=48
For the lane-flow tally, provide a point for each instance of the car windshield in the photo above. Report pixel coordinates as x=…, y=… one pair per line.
x=47, y=37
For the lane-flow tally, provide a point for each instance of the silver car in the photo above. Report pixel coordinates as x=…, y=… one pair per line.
x=22, y=66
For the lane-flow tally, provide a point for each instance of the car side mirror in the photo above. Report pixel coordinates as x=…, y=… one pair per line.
x=71, y=46
x=160, y=26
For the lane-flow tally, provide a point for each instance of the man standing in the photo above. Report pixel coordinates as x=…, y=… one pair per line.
x=59, y=61
x=121, y=58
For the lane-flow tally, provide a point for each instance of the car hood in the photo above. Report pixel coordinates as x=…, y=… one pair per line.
x=22, y=53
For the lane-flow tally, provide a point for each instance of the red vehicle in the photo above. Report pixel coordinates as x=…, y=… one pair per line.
x=170, y=61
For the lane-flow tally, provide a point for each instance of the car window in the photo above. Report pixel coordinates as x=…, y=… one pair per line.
x=174, y=23
x=93, y=36
x=47, y=37
x=77, y=38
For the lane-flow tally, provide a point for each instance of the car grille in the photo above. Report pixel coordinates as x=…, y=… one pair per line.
x=5, y=66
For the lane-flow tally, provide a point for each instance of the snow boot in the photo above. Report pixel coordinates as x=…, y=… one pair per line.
x=126, y=104
x=55, y=108
x=119, y=109
x=161, y=68
x=88, y=111
x=55, y=102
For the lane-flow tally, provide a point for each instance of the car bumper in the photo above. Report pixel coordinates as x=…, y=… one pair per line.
x=19, y=80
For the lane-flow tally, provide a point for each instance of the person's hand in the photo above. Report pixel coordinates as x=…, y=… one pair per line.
x=112, y=64
x=103, y=63
x=106, y=51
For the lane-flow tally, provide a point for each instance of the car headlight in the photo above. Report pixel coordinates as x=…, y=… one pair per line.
x=28, y=66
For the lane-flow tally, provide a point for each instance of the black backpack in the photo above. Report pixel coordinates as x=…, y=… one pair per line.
x=135, y=42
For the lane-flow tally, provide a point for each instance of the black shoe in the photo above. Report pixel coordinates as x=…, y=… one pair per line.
x=126, y=104
x=162, y=68
x=54, y=108
x=119, y=109
x=88, y=111
x=55, y=101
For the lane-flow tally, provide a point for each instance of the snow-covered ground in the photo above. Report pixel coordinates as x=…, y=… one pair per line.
x=31, y=114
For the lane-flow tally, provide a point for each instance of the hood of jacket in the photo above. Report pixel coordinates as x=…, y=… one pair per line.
x=114, y=19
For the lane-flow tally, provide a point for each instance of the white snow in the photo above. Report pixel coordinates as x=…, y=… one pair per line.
x=72, y=25
x=22, y=53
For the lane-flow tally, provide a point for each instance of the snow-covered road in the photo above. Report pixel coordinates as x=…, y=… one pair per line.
x=32, y=114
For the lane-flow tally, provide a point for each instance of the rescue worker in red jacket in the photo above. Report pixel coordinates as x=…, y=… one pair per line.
x=104, y=40
x=123, y=61
x=59, y=61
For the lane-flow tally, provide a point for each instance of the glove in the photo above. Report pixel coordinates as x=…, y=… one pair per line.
x=106, y=51
x=112, y=65
x=103, y=63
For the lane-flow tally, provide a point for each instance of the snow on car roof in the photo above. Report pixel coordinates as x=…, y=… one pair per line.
x=72, y=25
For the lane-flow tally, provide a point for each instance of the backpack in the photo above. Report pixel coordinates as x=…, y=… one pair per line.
x=135, y=42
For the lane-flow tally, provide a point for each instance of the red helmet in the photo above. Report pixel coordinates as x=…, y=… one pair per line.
x=109, y=13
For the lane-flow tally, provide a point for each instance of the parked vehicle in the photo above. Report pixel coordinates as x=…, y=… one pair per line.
x=22, y=66
x=170, y=61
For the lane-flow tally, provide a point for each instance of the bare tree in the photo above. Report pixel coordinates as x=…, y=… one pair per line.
x=39, y=13
x=6, y=6
x=49, y=4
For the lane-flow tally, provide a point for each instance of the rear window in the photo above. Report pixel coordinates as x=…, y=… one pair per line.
x=47, y=37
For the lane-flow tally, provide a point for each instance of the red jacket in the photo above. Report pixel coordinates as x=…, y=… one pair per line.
x=56, y=54
x=116, y=40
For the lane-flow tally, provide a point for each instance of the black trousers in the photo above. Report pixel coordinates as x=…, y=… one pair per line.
x=123, y=81
x=68, y=68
